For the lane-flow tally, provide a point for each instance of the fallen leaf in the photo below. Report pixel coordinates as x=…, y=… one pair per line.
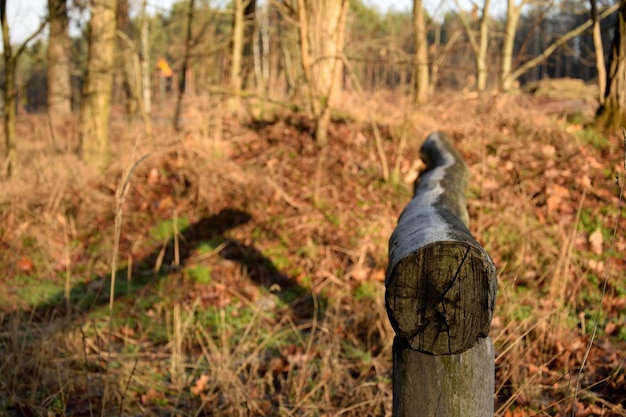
x=150, y=396
x=26, y=264
x=610, y=328
x=201, y=385
x=153, y=177
x=556, y=194
x=595, y=241
x=360, y=273
x=548, y=150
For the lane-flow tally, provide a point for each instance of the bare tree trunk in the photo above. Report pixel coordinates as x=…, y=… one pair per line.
x=612, y=113
x=311, y=104
x=96, y=95
x=479, y=47
x=481, y=54
x=10, y=93
x=322, y=39
x=513, y=13
x=145, y=61
x=239, y=47
x=183, y=72
x=421, y=53
x=10, y=57
x=126, y=52
x=59, y=89
x=599, y=51
x=332, y=65
x=249, y=39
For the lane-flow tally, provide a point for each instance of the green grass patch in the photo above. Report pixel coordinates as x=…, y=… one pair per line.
x=165, y=229
x=367, y=291
x=593, y=138
x=199, y=273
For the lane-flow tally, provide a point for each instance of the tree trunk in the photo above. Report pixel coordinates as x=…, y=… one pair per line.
x=10, y=57
x=249, y=39
x=331, y=67
x=513, y=12
x=311, y=104
x=612, y=113
x=322, y=39
x=59, y=65
x=599, y=51
x=182, y=85
x=10, y=138
x=145, y=60
x=479, y=47
x=237, y=50
x=126, y=58
x=96, y=95
x=421, y=53
x=481, y=54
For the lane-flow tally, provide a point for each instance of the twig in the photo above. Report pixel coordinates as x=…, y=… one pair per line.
x=119, y=202
x=620, y=187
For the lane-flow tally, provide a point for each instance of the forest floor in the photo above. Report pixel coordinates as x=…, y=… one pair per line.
x=241, y=271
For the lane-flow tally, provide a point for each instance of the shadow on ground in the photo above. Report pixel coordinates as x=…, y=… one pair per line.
x=56, y=316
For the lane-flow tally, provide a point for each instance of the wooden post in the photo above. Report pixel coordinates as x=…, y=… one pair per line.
x=440, y=296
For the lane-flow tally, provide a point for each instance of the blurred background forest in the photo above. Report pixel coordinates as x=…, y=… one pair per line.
x=194, y=40
x=380, y=44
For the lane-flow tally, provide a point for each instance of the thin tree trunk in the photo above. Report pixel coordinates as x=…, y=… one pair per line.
x=479, y=47
x=126, y=52
x=183, y=76
x=612, y=114
x=250, y=38
x=145, y=60
x=10, y=104
x=508, y=42
x=599, y=51
x=421, y=53
x=59, y=89
x=481, y=55
x=305, y=59
x=237, y=52
x=10, y=57
x=96, y=95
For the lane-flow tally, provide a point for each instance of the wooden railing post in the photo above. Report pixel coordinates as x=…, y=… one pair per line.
x=440, y=296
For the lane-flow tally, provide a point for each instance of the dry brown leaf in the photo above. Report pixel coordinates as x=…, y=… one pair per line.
x=150, y=396
x=489, y=184
x=378, y=275
x=201, y=385
x=360, y=273
x=153, y=177
x=595, y=241
x=556, y=194
x=26, y=265
x=548, y=150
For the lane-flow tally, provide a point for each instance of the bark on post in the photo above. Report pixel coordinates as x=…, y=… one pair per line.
x=440, y=296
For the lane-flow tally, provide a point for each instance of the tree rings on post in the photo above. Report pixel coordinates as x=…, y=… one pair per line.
x=441, y=297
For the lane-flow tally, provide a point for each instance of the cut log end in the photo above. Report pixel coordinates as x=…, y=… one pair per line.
x=441, y=297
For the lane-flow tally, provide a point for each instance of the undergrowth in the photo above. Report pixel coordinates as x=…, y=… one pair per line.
x=250, y=266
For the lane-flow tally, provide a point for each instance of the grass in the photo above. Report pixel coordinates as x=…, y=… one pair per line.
x=248, y=273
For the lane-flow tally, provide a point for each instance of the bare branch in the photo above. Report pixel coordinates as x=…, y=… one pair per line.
x=562, y=40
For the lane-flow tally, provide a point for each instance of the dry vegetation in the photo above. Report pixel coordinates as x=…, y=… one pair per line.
x=250, y=263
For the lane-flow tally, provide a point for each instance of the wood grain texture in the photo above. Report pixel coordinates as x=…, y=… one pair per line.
x=443, y=386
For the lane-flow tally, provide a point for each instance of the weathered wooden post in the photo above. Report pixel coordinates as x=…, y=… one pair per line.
x=440, y=296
